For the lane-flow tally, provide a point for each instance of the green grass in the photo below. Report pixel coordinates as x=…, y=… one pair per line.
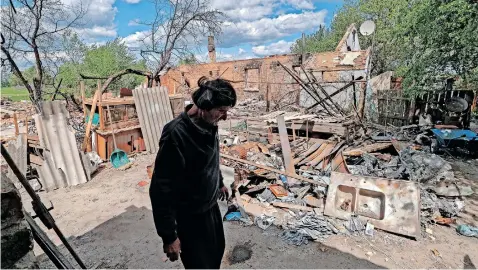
x=19, y=94
x=15, y=94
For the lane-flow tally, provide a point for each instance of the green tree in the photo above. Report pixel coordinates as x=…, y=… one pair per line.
x=424, y=41
x=438, y=39
x=326, y=40
x=75, y=51
x=385, y=14
x=104, y=60
x=100, y=61
x=28, y=73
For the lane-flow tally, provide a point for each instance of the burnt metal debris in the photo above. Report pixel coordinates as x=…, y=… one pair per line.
x=306, y=153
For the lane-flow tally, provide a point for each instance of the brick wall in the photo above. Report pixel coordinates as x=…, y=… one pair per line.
x=249, y=77
x=252, y=77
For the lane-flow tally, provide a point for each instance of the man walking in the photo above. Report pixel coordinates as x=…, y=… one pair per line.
x=187, y=182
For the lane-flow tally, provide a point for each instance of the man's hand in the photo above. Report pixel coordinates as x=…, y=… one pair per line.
x=172, y=250
x=223, y=194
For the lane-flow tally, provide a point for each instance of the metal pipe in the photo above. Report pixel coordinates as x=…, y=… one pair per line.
x=38, y=205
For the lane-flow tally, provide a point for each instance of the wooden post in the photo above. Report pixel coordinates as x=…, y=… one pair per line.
x=361, y=106
x=82, y=91
x=15, y=122
x=307, y=133
x=353, y=91
x=293, y=131
x=90, y=119
x=100, y=107
x=230, y=128
x=26, y=125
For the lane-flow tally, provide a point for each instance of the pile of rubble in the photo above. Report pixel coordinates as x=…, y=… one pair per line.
x=351, y=181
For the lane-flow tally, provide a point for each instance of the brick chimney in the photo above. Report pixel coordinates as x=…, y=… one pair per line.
x=211, y=48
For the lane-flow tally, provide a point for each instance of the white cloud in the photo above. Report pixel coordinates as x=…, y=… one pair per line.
x=134, y=22
x=98, y=21
x=135, y=40
x=99, y=12
x=224, y=57
x=245, y=9
x=221, y=57
x=280, y=47
x=241, y=51
x=96, y=32
x=248, y=10
x=132, y=1
x=301, y=4
x=269, y=29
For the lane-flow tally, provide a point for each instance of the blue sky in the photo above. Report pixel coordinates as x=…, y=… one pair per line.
x=254, y=28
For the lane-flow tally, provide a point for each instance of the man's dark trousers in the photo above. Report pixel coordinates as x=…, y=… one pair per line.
x=202, y=239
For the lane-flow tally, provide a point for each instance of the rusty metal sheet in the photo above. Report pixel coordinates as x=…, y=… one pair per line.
x=315, y=154
x=391, y=205
x=338, y=164
x=278, y=190
x=63, y=165
x=307, y=153
x=328, y=148
x=284, y=141
x=238, y=151
x=154, y=111
x=366, y=149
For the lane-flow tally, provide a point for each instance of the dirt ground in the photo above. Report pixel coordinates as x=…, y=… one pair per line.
x=109, y=222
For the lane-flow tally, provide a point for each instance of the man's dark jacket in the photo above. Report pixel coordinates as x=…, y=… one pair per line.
x=186, y=178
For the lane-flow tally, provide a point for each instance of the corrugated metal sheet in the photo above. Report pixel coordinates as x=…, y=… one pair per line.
x=18, y=151
x=63, y=165
x=154, y=111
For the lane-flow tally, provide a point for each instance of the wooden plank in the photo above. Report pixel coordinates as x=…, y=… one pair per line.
x=293, y=131
x=366, y=149
x=293, y=206
x=100, y=107
x=36, y=160
x=113, y=102
x=15, y=122
x=298, y=177
x=90, y=120
x=284, y=141
x=329, y=128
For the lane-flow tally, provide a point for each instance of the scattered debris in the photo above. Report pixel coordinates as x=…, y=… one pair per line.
x=467, y=230
x=143, y=183
x=369, y=229
x=389, y=204
x=436, y=252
